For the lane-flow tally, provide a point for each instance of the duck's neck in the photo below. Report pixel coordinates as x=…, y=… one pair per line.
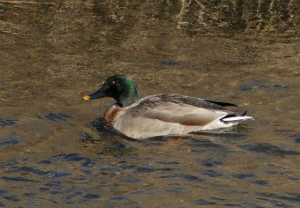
x=129, y=96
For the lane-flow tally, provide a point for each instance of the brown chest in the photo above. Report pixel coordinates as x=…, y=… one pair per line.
x=111, y=114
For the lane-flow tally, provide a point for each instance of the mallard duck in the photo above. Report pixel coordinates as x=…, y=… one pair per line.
x=162, y=114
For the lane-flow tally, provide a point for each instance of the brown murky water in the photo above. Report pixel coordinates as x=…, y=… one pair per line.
x=55, y=150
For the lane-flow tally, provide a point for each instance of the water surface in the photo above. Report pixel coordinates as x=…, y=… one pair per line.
x=55, y=150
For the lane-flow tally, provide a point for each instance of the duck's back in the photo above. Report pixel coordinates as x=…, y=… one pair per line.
x=167, y=114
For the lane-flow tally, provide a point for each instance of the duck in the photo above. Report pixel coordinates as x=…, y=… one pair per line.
x=161, y=114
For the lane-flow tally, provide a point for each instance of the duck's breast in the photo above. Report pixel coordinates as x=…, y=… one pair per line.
x=111, y=114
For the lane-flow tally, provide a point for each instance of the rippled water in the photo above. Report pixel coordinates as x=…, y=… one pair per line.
x=55, y=150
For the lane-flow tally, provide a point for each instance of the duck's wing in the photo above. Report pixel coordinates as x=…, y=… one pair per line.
x=193, y=101
x=179, y=109
x=221, y=103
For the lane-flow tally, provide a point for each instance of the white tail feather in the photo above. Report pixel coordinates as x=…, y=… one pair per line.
x=237, y=118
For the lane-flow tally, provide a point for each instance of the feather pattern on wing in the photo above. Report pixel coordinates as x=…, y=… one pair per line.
x=168, y=113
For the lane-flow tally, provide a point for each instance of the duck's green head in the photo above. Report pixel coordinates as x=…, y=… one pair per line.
x=120, y=87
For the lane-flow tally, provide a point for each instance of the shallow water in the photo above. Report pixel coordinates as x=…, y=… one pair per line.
x=54, y=150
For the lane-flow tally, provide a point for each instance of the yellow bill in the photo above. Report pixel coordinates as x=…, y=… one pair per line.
x=87, y=97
